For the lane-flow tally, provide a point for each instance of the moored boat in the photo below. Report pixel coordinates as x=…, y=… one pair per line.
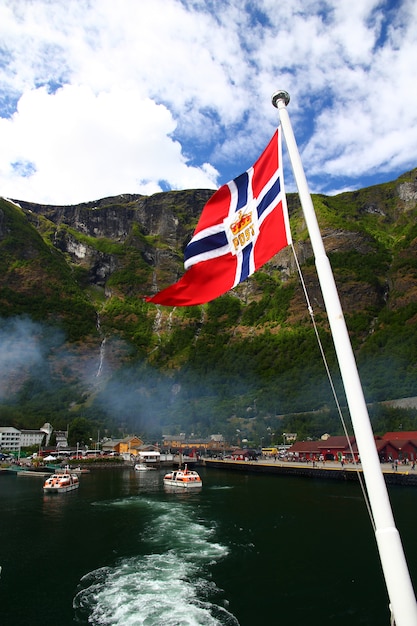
x=142, y=467
x=61, y=483
x=184, y=478
x=72, y=470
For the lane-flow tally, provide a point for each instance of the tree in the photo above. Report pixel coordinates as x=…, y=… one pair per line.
x=79, y=431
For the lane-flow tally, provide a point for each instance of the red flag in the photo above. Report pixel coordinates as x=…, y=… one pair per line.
x=241, y=227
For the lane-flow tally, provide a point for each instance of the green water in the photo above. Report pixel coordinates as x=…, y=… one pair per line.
x=245, y=550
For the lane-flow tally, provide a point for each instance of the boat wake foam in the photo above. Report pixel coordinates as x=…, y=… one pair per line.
x=169, y=583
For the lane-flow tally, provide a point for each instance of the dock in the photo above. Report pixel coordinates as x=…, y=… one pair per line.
x=26, y=473
x=330, y=470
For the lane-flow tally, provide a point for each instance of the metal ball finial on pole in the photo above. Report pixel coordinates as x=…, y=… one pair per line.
x=280, y=95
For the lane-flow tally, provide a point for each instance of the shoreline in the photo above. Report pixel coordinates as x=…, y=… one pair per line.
x=404, y=475
x=330, y=470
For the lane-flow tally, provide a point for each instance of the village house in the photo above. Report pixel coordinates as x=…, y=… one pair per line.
x=126, y=446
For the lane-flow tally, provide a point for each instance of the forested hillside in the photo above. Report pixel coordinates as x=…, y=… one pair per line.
x=79, y=341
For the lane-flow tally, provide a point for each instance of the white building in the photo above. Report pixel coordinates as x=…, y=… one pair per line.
x=61, y=438
x=31, y=438
x=149, y=456
x=13, y=439
x=9, y=438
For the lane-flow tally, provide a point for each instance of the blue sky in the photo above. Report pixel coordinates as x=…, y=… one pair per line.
x=99, y=98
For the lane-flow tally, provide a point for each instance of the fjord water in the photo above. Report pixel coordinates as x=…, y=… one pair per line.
x=243, y=550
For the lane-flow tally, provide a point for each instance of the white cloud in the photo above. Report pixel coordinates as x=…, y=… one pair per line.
x=84, y=146
x=116, y=97
x=372, y=124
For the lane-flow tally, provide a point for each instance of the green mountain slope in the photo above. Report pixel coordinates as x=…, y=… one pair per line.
x=72, y=284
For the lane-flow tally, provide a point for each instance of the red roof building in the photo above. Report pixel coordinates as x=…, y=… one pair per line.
x=404, y=442
x=333, y=448
x=401, y=434
x=392, y=446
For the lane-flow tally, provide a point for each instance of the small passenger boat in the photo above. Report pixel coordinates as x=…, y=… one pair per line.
x=142, y=467
x=183, y=478
x=61, y=483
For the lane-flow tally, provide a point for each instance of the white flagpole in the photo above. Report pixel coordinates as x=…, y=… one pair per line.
x=397, y=577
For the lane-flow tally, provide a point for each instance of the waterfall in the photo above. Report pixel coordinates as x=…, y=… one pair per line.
x=157, y=323
x=102, y=347
x=101, y=359
x=200, y=325
x=170, y=320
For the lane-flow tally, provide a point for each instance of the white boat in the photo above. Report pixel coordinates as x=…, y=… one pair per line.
x=184, y=478
x=142, y=467
x=61, y=483
x=72, y=470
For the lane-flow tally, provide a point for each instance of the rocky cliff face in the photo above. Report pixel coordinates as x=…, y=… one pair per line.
x=126, y=219
x=164, y=215
x=96, y=235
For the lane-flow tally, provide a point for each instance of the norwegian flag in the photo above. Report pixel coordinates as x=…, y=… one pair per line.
x=241, y=227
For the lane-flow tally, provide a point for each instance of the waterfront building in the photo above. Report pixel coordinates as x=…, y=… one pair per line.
x=31, y=438
x=403, y=444
x=9, y=438
x=148, y=454
x=126, y=446
x=61, y=438
x=395, y=446
x=192, y=446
